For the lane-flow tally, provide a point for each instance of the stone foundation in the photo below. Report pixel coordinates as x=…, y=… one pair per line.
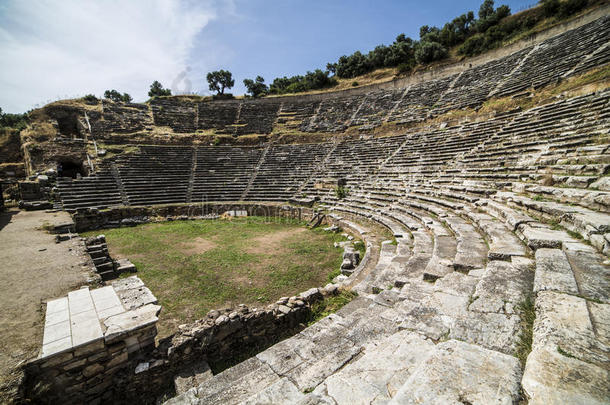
x=92, y=219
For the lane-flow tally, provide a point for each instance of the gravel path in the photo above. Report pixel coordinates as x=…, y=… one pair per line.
x=33, y=269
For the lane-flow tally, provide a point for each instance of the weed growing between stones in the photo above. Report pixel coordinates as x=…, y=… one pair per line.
x=528, y=315
x=333, y=274
x=330, y=305
x=341, y=192
x=564, y=353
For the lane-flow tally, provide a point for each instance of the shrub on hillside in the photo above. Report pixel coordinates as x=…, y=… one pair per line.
x=90, y=99
x=473, y=45
x=117, y=96
x=549, y=7
x=570, y=7
x=405, y=68
x=16, y=121
x=315, y=80
x=156, y=89
x=256, y=87
x=428, y=52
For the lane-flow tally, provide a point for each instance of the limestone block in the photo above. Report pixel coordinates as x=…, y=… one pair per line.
x=127, y=283
x=133, y=298
x=280, y=392
x=313, y=294
x=543, y=237
x=382, y=370
x=106, y=302
x=591, y=273
x=553, y=272
x=501, y=283
x=309, y=374
x=458, y=372
x=423, y=319
x=550, y=378
x=282, y=357
x=563, y=321
x=122, y=325
x=603, y=183
x=490, y=330
x=456, y=283
x=237, y=383
x=192, y=376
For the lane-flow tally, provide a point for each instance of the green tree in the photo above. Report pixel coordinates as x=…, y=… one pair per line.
x=156, y=89
x=16, y=121
x=256, y=87
x=570, y=7
x=550, y=7
x=220, y=80
x=486, y=10
x=428, y=51
x=114, y=95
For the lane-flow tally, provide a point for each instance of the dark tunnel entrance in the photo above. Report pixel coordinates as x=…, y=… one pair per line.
x=70, y=169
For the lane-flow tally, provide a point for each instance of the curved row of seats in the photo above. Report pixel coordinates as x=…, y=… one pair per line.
x=484, y=215
x=571, y=53
x=551, y=159
x=439, y=318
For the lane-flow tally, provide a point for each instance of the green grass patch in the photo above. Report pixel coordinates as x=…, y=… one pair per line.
x=360, y=246
x=524, y=343
x=574, y=235
x=330, y=305
x=564, y=353
x=195, y=266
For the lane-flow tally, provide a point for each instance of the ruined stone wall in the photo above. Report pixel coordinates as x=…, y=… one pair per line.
x=86, y=374
x=222, y=338
x=91, y=219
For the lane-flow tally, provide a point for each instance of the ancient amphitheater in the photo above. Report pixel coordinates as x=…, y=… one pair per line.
x=500, y=219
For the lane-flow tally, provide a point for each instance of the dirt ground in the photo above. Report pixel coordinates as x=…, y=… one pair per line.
x=273, y=242
x=33, y=269
x=197, y=246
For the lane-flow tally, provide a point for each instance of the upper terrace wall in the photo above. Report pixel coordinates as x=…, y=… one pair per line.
x=545, y=58
x=440, y=84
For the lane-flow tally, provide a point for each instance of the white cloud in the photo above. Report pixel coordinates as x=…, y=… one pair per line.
x=54, y=49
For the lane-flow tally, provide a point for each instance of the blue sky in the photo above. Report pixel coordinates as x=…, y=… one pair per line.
x=69, y=48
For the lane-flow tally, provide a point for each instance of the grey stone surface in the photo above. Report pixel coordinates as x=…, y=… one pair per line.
x=538, y=236
x=192, y=376
x=501, y=284
x=381, y=371
x=592, y=276
x=503, y=243
x=551, y=378
x=562, y=321
x=493, y=331
x=456, y=283
x=458, y=372
x=603, y=183
x=280, y=392
x=423, y=319
x=120, y=325
x=310, y=374
x=553, y=272
x=236, y=384
x=133, y=298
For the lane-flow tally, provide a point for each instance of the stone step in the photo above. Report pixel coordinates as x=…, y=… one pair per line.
x=458, y=372
x=192, y=376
